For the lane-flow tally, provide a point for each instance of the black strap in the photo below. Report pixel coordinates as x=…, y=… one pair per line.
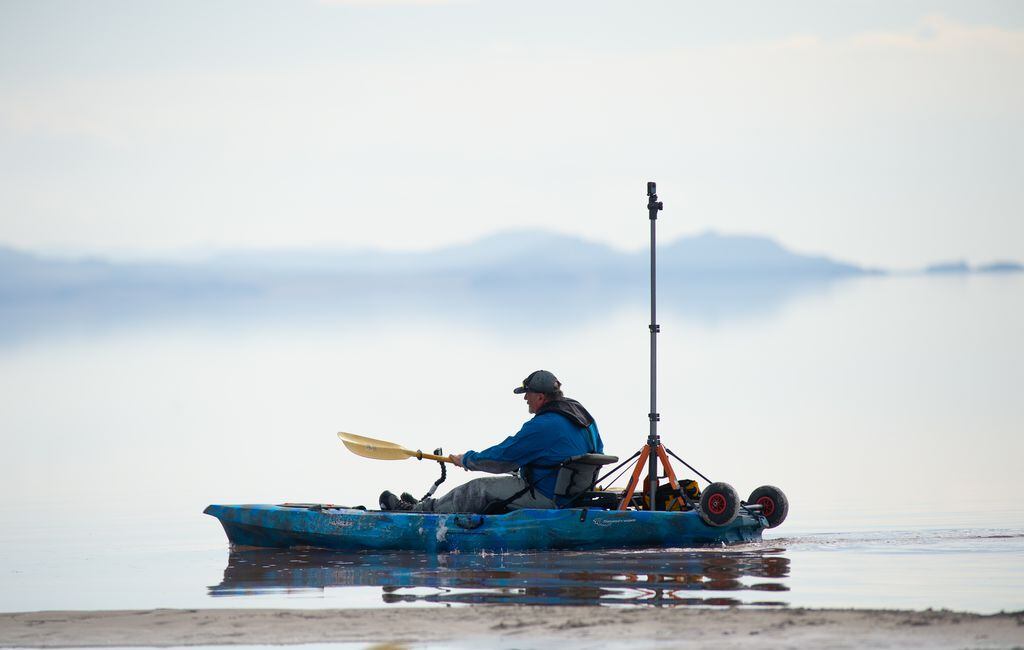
x=688, y=465
x=496, y=507
x=617, y=468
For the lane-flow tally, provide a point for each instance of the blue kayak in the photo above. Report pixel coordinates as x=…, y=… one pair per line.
x=351, y=529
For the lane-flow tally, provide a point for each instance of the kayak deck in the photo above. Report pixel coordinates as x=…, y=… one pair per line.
x=350, y=529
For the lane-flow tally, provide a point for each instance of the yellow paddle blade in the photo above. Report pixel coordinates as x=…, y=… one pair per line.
x=382, y=449
x=364, y=440
x=373, y=448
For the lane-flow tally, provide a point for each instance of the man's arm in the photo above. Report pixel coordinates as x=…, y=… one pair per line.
x=512, y=453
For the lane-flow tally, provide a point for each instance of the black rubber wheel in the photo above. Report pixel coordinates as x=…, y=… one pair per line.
x=719, y=504
x=774, y=504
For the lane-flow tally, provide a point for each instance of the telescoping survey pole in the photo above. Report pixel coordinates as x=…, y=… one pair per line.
x=653, y=441
x=653, y=451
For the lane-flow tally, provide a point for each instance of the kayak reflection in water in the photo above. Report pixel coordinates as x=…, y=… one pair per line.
x=559, y=430
x=750, y=576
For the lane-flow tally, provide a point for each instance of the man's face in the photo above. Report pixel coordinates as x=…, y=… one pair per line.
x=535, y=400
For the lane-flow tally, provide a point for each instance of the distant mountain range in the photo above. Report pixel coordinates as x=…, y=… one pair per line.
x=499, y=259
x=961, y=266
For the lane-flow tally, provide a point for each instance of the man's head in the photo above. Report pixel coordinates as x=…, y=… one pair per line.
x=539, y=388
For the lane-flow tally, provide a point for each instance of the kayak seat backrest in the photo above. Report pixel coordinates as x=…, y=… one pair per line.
x=579, y=474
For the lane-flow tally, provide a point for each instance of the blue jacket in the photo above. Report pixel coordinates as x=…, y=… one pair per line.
x=549, y=438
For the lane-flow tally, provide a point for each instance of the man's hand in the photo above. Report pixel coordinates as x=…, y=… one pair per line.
x=456, y=459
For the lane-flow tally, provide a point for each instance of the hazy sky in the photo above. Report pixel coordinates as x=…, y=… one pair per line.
x=884, y=133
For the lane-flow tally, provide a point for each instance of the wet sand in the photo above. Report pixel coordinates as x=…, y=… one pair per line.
x=565, y=627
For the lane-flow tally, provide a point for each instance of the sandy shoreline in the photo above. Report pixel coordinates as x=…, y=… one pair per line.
x=540, y=626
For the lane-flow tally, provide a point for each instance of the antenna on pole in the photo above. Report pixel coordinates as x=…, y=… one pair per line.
x=653, y=441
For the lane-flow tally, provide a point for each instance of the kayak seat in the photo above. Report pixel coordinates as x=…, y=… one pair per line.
x=574, y=485
x=577, y=478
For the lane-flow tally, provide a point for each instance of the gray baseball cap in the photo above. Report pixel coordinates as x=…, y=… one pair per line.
x=539, y=381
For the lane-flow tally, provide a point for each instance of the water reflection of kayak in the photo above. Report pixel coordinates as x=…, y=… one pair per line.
x=349, y=529
x=740, y=576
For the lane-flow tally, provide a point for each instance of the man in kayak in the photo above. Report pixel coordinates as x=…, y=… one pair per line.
x=560, y=429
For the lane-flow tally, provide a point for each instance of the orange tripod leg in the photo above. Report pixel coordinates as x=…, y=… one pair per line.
x=644, y=454
x=663, y=457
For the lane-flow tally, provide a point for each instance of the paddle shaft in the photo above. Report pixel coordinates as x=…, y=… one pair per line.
x=419, y=455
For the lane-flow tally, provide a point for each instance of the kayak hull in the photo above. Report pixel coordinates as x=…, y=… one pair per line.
x=348, y=529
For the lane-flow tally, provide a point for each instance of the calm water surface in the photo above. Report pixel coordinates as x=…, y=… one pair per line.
x=888, y=409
